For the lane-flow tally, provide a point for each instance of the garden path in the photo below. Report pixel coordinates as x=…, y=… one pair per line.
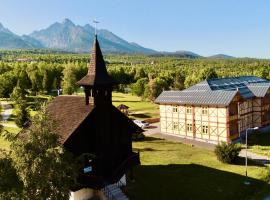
x=6, y=113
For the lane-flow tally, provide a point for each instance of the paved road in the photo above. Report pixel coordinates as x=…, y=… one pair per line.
x=154, y=128
x=256, y=157
x=7, y=110
x=6, y=113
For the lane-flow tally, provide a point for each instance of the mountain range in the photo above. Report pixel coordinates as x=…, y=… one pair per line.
x=221, y=56
x=68, y=36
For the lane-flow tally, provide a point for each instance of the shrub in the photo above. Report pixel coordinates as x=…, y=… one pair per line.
x=227, y=153
x=23, y=114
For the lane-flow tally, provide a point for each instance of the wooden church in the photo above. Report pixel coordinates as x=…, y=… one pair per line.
x=93, y=127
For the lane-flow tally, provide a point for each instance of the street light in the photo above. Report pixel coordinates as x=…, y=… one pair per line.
x=255, y=128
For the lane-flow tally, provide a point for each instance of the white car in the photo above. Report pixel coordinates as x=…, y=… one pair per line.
x=141, y=123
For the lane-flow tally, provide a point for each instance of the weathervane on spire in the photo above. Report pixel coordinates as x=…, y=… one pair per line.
x=95, y=22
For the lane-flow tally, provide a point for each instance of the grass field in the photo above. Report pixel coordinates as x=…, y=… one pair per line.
x=137, y=108
x=260, y=143
x=172, y=170
x=5, y=144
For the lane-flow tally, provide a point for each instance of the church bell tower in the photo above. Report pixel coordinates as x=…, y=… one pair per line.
x=97, y=83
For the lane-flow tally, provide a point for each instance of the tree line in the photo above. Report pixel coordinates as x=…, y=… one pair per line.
x=145, y=76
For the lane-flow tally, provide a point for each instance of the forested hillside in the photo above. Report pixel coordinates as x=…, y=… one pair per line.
x=43, y=71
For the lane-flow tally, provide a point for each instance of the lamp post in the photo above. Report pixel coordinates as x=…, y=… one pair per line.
x=255, y=128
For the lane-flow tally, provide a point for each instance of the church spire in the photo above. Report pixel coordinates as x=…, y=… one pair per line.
x=95, y=22
x=97, y=83
x=97, y=75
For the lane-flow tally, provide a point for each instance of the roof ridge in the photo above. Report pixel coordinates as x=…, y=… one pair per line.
x=232, y=77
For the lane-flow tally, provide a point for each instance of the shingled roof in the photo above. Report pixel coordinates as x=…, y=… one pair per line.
x=217, y=91
x=97, y=73
x=68, y=112
x=259, y=89
x=220, y=98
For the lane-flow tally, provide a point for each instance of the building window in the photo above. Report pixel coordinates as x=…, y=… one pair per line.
x=204, y=111
x=175, y=125
x=189, y=127
x=175, y=109
x=205, y=129
x=189, y=110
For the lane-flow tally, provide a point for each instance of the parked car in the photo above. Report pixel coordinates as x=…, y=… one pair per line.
x=141, y=123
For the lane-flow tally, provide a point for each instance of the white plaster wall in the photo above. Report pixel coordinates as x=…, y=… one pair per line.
x=216, y=120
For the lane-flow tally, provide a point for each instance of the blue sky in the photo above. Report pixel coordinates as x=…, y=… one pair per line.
x=235, y=27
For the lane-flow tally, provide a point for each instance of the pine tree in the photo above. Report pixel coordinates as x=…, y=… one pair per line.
x=46, y=82
x=18, y=93
x=22, y=113
x=69, y=80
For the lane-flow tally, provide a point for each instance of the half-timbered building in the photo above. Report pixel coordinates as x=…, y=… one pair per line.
x=216, y=110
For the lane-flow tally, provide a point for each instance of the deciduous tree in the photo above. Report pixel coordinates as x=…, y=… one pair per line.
x=139, y=87
x=179, y=81
x=208, y=73
x=38, y=166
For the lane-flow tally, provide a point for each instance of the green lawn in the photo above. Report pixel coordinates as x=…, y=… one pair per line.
x=260, y=143
x=137, y=107
x=5, y=144
x=11, y=121
x=172, y=170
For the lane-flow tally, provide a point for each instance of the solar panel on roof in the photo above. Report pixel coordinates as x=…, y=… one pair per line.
x=217, y=91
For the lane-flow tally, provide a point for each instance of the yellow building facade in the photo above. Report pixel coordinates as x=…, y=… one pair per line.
x=194, y=122
x=214, y=116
